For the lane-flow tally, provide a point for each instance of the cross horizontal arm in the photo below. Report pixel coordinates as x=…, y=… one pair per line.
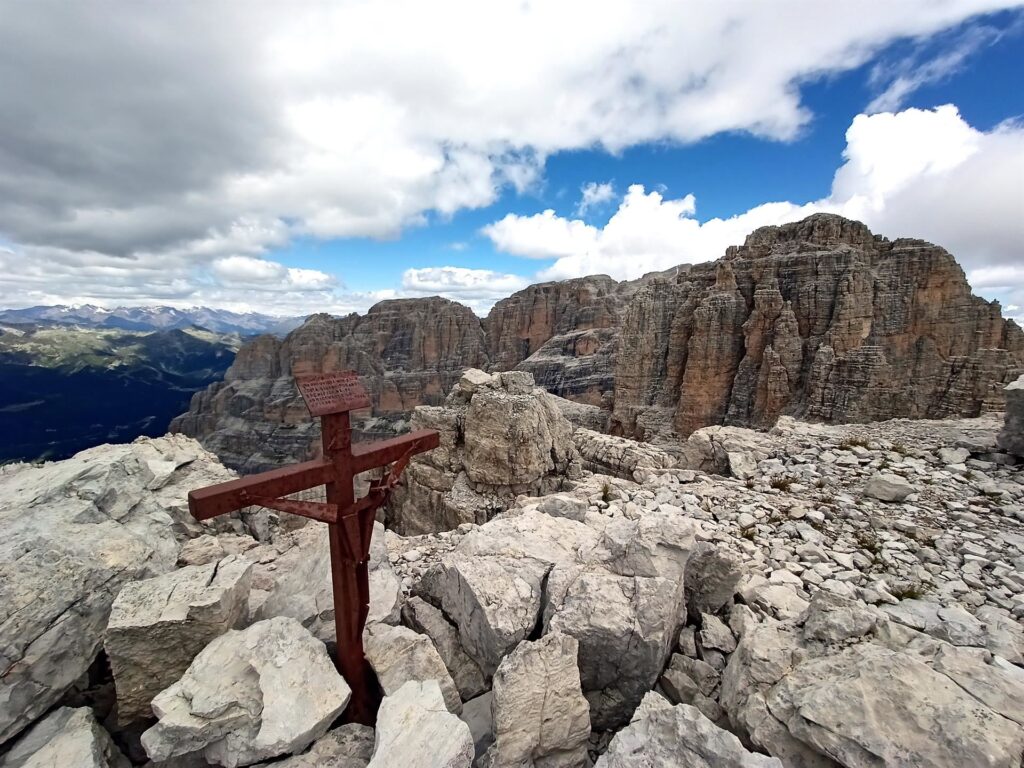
x=376, y=454
x=314, y=510
x=222, y=498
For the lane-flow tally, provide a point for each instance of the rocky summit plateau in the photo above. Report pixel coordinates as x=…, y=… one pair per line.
x=766, y=512
x=821, y=320
x=542, y=595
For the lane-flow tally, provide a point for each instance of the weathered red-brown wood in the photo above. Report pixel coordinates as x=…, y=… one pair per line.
x=350, y=522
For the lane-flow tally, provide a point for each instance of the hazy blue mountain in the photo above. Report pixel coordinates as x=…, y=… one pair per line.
x=64, y=388
x=152, y=319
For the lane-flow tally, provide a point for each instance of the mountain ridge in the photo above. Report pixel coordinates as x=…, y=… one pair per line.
x=806, y=319
x=64, y=388
x=152, y=318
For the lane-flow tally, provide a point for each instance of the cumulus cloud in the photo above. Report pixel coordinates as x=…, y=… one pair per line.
x=916, y=173
x=262, y=273
x=594, y=195
x=170, y=136
x=477, y=288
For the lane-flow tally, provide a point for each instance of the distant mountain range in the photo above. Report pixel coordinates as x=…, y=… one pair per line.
x=64, y=388
x=153, y=319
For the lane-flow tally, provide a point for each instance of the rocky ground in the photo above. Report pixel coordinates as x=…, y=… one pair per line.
x=811, y=596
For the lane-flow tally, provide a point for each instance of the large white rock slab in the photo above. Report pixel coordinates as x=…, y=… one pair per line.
x=398, y=655
x=416, y=730
x=499, y=437
x=250, y=695
x=495, y=601
x=301, y=582
x=158, y=625
x=540, y=714
x=615, y=584
x=430, y=621
x=661, y=736
x=65, y=738
x=869, y=704
x=492, y=585
x=846, y=684
x=885, y=486
x=74, y=532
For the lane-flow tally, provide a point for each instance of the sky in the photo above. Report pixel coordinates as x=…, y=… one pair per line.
x=322, y=156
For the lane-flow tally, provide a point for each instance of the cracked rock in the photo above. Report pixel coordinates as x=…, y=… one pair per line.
x=157, y=626
x=250, y=695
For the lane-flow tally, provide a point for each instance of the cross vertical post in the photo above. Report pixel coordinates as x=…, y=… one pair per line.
x=349, y=521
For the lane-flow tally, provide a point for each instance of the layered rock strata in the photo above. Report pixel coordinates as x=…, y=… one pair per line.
x=522, y=324
x=819, y=319
x=408, y=352
x=1011, y=438
x=500, y=437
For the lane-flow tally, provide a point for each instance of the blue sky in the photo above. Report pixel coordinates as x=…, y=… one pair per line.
x=357, y=161
x=728, y=173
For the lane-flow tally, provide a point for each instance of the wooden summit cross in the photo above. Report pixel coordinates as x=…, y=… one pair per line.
x=350, y=522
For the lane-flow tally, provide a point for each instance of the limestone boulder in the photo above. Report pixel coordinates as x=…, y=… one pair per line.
x=157, y=627
x=616, y=585
x=250, y=695
x=347, y=746
x=65, y=737
x=492, y=585
x=719, y=450
x=500, y=437
x=886, y=486
x=416, y=730
x=712, y=577
x=619, y=456
x=868, y=703
x=430, y=621
x=663, y=736
x=846, y=684
x=540, y=714
x=1011, y=438
x=625, y=626
x=495, y=601
x=398, y=655
x=300, y=582
x=508, y=441
x=75, y=532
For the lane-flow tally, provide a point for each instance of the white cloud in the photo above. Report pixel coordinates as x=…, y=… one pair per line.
x=247, y=269
x=542, y=236
x=917, y=173
x=594, y=195
x=477, y=288
x=360, y=119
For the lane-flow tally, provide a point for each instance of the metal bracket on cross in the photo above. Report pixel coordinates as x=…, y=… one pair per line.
x=331, y=396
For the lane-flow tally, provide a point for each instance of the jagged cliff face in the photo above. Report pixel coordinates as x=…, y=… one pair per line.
x=819, y=319
x=564, y=333
x=408, y=352
x=521, y=324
